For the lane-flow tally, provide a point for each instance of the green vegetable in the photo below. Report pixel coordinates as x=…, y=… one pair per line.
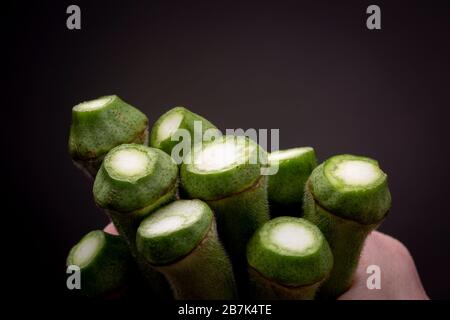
x=166, y=128
x=133, y=181
x=352, y=187
x=100, y=125
x=229, y=180
x=181, y=241
x=226, y=173
x=346, y=197
x=104, y=261
x=288, y=258
x=286, y=187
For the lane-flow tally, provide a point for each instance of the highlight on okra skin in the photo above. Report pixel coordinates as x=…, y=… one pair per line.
x=347, y=197
x=165, y=129
x=180, y=240
x=286, y=187
x=288, y=258
x=105, y=263
x=226, y=173
x=101, y=124
x=133, y=181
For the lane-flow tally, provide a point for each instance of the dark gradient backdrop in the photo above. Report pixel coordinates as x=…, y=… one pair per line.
x=311, y=69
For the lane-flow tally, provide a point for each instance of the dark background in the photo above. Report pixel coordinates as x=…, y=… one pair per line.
x=311, y=69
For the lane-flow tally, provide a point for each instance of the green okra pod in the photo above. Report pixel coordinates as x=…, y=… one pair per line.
x=165, y=129
x=227, y=174
x=346, y=197
x=101, y=124
x=180, y=240
x=133, y=181
x=105, y=263
x=286, y=186
x=288, y=258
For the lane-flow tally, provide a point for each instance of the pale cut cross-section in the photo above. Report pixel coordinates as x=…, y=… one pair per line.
x=173, y=217
x=218, y=156
x=168, y=127
x=357, y=172
x=129, y=163
x=292, y=237
x=92, y=104
x=86, y=251
x=164, y=225
x=287, y=154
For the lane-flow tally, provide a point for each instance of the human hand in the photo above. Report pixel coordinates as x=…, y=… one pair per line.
x=399, y=277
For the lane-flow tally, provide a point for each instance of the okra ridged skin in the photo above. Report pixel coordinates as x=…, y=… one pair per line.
x=109, y=267
x=174, y=119
x=188, y=253
x=288, y=258
x=129, y=194
x=368, y=205
x=346, y=239
x=262, y=288
x=286, y=187
x=105, y=123
x=238, y=216
x=362, y=186
x=213, y=281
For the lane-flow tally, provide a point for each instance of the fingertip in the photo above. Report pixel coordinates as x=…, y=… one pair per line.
x=111, y=229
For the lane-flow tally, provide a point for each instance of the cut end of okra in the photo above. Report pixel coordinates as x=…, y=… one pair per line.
x=167, y=127
x=351, y=172
x=290, y=251
x=134, y=177
x=87, y=249
x=172, y=232
x=92, y=105
x=104, y=261
x=101, y=124
x=223, y=167
x=282, y=155
x=292, y=168
x=129, y=163
x=217, y=157
x=170, y=122
x=352, y=187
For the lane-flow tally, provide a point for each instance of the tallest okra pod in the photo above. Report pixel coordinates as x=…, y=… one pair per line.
x=227, y=174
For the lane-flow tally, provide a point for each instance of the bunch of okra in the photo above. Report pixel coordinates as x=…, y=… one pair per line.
x=221, y=218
